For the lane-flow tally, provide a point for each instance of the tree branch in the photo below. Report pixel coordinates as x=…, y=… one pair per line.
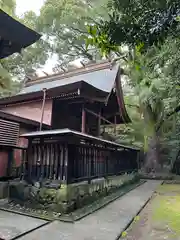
x=78, y=30
x=176, y=110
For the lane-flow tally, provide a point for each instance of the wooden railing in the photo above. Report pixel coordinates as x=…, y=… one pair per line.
x=71, y=156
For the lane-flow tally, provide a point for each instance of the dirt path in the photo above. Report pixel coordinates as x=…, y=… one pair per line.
x=160, y=219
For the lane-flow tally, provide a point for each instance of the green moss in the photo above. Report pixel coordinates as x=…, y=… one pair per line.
x=166, y=210
x=61, y=195
x=165, y=188
x=46, y=196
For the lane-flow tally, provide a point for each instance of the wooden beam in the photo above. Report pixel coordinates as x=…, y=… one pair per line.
x=97, y=115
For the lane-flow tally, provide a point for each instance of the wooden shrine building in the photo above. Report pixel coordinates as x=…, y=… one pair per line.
x=80, y=100
x=74, y=105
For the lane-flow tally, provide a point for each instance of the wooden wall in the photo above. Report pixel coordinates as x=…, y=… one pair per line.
x=66, y=115
x=22, y=142
x=3, y=162
x=31, y=110
x=13, y=153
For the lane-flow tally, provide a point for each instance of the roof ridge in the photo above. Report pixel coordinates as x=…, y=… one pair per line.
x=76, y=72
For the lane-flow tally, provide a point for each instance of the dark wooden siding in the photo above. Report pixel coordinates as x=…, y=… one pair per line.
x=9, y=133
x=66, y=114
x=3, y=162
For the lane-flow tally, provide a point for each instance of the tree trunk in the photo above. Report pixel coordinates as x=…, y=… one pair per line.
x=152, y=158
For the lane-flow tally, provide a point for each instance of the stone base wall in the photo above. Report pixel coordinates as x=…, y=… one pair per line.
x=66, y=198
x=3, y=190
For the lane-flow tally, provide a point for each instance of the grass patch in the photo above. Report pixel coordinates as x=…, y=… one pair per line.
x=167, y=188
x=166, y=208
x=160, y=219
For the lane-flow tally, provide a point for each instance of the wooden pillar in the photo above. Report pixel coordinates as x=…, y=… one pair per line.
x=42, y=110
x=115, y=122
x=28, y=157
x=65, y=174
x=99, y=123
x=41, y=158
x=138, y=160
x=22, y=165
x=10, y=161
x=83, y=122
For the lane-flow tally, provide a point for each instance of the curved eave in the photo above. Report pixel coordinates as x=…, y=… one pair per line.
x=80, y=88
x=120, y=98
x=14, y=36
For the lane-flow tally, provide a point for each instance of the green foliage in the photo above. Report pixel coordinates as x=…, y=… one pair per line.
x=17, y=66
x=63, y=24
x=134, y=22
x=8, y=6
x=150, y=31
x=5, y=78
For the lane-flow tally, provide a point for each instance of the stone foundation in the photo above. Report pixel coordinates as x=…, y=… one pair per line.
x=63, y=198
x=3, y=190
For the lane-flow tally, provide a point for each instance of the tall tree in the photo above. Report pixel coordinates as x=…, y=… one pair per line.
x=145, y=27
x=139, y=21
x=63, y=24
x=18, y=65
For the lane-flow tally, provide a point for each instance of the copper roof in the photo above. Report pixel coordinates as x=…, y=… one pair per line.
x=95, y=79
x=67, y=131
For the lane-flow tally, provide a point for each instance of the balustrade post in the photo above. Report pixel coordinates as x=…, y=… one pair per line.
x=41, y=158
x=27, y=163
x=83, y=126
x=65, y=174
x=138, y=160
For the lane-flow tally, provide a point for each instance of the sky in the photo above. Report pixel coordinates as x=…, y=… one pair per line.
x=26, y=5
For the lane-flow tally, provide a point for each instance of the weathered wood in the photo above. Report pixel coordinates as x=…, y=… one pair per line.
x=78, y=160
